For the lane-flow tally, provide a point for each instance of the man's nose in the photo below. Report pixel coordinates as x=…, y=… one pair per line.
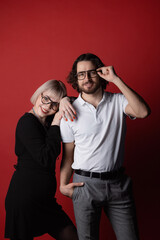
x=88, y=76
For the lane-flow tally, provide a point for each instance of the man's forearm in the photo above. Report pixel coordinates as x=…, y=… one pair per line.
x=65, y=173
x=136, y=107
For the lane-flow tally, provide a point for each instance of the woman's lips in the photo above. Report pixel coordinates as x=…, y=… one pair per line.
x=44, y=110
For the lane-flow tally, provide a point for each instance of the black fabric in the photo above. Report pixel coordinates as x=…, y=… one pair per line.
x=31, y=208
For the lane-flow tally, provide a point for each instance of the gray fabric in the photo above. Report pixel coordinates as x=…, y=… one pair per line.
x=114, y=197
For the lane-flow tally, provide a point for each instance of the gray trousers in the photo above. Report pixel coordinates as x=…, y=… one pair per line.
x=114, y=197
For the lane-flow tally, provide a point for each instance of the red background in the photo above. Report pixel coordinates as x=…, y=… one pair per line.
x=40, y=39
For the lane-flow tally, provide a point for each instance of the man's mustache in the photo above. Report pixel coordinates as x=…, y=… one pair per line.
x=89, y=81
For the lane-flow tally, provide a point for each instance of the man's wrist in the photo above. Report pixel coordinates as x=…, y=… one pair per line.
x=61, y=188
x=116, y=80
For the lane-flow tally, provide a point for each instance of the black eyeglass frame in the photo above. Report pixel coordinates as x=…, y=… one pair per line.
x=53, y=105
x=88, y=73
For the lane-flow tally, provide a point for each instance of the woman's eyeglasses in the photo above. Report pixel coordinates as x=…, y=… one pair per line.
x=47, y=100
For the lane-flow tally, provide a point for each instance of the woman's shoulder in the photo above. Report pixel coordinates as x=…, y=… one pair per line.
x=27, y=119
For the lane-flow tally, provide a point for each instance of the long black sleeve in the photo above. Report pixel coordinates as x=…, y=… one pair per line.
x=35, y=144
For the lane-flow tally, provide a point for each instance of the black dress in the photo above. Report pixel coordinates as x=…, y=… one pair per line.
x=31, y=208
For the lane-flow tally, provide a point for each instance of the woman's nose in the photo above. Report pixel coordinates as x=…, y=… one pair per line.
x=48, y=106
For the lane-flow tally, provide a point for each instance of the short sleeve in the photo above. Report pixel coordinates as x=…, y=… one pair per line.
x=66, y=132
x=124, y=104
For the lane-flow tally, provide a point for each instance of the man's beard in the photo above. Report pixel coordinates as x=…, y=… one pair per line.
x=93, y=89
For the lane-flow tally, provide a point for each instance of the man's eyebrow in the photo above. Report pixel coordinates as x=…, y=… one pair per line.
x=88, y=70
x=81, y=71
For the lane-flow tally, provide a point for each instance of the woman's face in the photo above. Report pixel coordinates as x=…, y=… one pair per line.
x=47, y=104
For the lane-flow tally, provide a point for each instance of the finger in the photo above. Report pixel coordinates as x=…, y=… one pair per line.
x=71, y=108
x=105, y=70
x=67, y=115
x=71, y=114
x=100, y=69
x=80, y=184
x=101, y=74
x=64, y=116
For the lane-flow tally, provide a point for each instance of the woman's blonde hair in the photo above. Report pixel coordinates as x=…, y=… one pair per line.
x=55, y=86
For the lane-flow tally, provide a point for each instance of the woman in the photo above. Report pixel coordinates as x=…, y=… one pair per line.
x=31, y=208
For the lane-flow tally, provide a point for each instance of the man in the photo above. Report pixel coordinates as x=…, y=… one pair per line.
x=93, y=146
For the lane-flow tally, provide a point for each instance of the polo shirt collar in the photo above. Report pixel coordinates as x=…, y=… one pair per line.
x=80, y=99
x=82, y=102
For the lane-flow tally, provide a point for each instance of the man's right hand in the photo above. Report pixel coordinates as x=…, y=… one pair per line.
x=68, y=189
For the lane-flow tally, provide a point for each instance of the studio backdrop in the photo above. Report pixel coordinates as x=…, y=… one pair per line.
x=40, y=39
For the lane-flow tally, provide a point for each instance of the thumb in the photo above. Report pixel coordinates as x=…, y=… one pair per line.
x=60, y=117
x=102, y=71
x=80, y=184
x=99, y=72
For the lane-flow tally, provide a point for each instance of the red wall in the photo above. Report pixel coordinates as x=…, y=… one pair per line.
x=40, y=39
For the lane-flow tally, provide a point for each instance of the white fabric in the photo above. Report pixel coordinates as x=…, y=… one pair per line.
x=98, y=133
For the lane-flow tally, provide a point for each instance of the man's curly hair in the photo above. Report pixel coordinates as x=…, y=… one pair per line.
x=72, y=78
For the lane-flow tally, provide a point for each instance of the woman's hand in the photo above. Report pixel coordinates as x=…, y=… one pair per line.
x=66, y=109
x=57, y=118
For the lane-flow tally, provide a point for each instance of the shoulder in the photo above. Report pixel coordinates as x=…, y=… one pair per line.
x=76, y=102
x=26, y=118
x=27, y=121
x=112, y=97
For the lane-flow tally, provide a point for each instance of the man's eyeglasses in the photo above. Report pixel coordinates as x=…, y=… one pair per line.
x=47, y=100
x=90, y=73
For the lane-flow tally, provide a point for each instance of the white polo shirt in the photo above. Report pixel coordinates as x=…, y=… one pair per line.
x=98, y=133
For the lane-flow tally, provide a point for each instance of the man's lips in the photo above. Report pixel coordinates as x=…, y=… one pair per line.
x=88, y=84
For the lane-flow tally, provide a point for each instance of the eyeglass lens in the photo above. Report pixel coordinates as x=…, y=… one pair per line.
x=47, y=100
x=90, y=74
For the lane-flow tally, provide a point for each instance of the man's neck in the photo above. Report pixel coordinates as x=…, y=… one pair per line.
x=93, y=98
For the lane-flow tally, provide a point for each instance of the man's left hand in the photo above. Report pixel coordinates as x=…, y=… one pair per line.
x=108, y=73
